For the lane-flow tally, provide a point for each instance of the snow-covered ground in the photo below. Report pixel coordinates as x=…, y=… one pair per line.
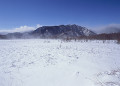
x=42, y=62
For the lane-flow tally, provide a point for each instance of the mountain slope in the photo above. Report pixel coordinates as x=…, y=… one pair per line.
x=62, y=31
x=2, y=36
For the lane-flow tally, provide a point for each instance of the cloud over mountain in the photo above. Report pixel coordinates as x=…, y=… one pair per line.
x=20, y=29
x=111, y=28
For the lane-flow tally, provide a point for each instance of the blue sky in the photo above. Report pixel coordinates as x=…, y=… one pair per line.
x=89, y=13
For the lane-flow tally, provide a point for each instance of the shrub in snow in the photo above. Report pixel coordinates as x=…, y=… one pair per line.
x=109, y=78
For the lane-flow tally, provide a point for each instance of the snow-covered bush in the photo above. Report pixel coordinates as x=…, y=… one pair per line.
x=109, y=78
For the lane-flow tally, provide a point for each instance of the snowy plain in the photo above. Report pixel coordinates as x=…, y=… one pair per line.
x=46, y=62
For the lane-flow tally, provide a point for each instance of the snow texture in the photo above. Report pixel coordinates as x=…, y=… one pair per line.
x=43, y=62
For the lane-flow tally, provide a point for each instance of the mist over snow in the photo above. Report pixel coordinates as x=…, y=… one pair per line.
x=21, y=29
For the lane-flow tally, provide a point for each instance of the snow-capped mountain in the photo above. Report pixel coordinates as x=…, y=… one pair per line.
x=62, y=31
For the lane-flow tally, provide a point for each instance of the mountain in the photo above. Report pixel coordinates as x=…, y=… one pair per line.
x=19, y=35
x=14, y=35
x=2, y=36
x=62, y=31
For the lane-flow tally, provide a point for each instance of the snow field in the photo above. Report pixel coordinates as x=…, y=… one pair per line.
x=45, y=62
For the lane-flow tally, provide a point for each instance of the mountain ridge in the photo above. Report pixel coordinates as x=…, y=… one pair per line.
x=63, y=31
x=60, y=31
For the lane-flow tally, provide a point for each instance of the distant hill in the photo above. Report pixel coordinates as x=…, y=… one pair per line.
x=110, y=36
x=3, y=37
x=18, y=35
x=62, y=31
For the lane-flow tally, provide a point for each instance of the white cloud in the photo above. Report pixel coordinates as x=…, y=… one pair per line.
x=20, y=29
x=38, y=25
x=111, y=28
x=24, y=29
